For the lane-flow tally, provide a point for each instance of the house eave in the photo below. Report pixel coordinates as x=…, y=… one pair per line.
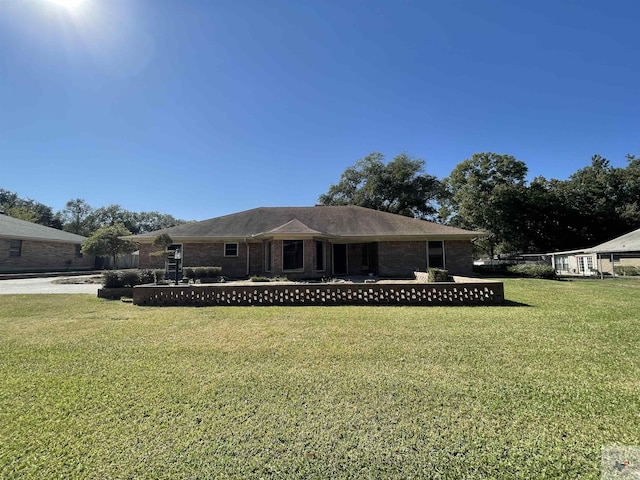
x=36, y=239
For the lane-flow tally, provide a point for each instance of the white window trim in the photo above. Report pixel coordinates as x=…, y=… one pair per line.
x=444, y=256
x=237, y=250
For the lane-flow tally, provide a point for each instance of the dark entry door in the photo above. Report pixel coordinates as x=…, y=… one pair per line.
x=340, y=259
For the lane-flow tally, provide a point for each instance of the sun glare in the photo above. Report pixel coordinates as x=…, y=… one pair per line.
x=68, y=4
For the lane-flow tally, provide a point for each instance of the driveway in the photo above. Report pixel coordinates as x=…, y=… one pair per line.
x=47, y=285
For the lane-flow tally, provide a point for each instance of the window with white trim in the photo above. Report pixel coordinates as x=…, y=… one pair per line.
x=230, y=249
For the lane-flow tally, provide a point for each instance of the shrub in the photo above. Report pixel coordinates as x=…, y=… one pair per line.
x=213, y=271
x=259, y=278
x=111, y=279
x=147, y=276
x=627, y=270
x=437, y=275
x=200, y=272
x=532, y=271
x=188, y=273
x=130, y=278
x=205, y=272
x=158, y=275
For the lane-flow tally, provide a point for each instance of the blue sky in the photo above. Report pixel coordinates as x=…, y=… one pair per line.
x=199, y=108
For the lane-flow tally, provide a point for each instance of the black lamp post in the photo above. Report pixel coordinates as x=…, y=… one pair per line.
x=177, y=255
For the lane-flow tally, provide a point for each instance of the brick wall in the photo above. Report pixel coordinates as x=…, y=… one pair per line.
x=401, y=259
x=458, y=257
x=209, y=254
x=42, y=256
x=395, y=259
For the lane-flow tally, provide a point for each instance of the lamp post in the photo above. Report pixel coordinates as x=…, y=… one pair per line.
x=177, y=255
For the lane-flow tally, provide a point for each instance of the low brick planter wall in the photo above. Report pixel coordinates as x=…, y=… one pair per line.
x=115, y=293
x=435, y=294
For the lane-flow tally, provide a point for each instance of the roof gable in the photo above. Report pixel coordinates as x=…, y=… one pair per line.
x=294, y=226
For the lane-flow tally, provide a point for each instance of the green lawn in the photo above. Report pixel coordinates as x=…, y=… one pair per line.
x=101, y=389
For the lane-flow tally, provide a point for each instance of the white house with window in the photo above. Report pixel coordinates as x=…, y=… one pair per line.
x=623, y=251
x=574, y=263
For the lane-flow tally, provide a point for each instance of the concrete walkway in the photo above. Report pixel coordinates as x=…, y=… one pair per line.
x=46, y=285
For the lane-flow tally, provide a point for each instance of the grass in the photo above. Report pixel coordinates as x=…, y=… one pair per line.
x=101, y=389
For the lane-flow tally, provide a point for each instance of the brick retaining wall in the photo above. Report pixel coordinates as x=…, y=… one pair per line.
x=432, y=294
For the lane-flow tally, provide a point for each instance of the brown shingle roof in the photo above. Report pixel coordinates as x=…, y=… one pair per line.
x=333, y=221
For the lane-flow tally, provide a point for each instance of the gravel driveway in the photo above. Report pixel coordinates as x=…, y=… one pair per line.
x=47, y=285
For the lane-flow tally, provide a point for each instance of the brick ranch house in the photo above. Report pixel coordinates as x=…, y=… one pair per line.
x=29, y=247
x=314, y=242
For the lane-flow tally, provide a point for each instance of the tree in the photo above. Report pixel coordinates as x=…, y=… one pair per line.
x=399, y=186
x=26, y=209
x=106, y=242
x=113, y=215
x=599, y=201
x=152, y=221
x=162, y=241
x=485, y=192
x=76, y=217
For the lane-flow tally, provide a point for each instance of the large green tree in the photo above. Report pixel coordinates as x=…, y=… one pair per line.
x=400, y=186
x=106, y=241
x=603, y=200
x=485, y=192
x=76, y=217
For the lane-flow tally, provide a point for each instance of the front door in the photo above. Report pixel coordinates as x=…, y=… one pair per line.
x=585, y=265
x=340, y=265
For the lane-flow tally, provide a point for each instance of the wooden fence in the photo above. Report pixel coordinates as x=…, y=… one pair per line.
x=471, y=292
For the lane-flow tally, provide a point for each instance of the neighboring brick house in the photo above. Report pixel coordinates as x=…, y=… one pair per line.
x=29, y=247
x=315, y=242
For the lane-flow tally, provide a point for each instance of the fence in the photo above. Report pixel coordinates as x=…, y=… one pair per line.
x=459, y=293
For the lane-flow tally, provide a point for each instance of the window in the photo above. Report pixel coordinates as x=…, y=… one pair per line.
x=292, y=255
x=230, y=249
x=562, y=263
x=585, y=264
x=267, y=256
x=435, y=251
x=15, y=248
x=78, y=250
x=320, y=264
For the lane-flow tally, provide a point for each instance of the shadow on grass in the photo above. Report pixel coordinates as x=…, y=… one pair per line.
x=511, y=303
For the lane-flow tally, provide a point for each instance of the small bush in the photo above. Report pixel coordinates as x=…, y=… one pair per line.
x=200, y=272
x=130, y=278
x=532, y=271
x=206, y=272
x=627, y=270
x=437, y=275
x=111, y=279
x=158, y=275
x=146, y=276
x=259, y=278
x=188, y=273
